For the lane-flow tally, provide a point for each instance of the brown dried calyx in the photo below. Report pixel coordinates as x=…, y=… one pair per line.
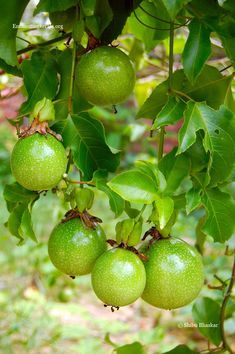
x=114, y=243
x=155, y=234
x=38, y=127
x=89, y=220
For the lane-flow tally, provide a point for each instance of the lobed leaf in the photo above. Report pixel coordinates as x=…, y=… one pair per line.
x=219, y=130
x=220, y=208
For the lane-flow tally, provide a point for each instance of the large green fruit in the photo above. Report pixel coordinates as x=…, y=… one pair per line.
x=73, y=248
x=174, y=274
x=38, y=162
x=105, y=76
x=118, y=277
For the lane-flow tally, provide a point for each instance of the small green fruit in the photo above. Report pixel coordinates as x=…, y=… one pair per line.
x=73, y=248
x=118, y=277
x=105, y=76
x=38, y=162
x=174, y=274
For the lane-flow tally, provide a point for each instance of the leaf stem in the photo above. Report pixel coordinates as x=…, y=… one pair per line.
x=141, y=213
x=161, y=143
x=80, y=182
x=171, y=56
x=44, y=44
x=223, y=309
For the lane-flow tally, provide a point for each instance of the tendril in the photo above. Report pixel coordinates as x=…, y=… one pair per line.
x=156, y=28
x=157, y=18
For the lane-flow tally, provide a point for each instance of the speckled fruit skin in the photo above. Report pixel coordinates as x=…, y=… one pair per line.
x=118, y=277
x=73, y=248
x=38, y=162
x=174, y=274
x=105, y=76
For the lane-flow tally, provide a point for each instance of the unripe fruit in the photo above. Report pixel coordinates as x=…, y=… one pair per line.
x=105, y=76
x=174, y=274
x=118, y=277
x=73, y=248
x=38, y=162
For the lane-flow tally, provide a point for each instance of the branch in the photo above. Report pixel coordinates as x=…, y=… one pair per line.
x=223, y=309
x=44, y=44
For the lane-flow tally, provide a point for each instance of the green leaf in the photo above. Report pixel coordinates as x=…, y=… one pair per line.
x=11, y=13
x=193, y=199
x=88, y=7
x=101, y=19
x=219, y=135
x=134, y=348
x=116, y=203
x=175, y=169
x=14, y=221
x=165, y=208
x=121, y=11
x=26, y=228
x=207, y=312
x=174, y=6
x=149, y=35
x=89, y=147
x=16, y=193
x=170, y=113
x=220, y=210
x=67, y=130
x=152, y=171
x=197, y=49
x=52, y=6
x=154, y=103
x=181, y=349
x=131, y=212
x=134, y=186
x=211, y=86
x=40, y=79
x=197, y=155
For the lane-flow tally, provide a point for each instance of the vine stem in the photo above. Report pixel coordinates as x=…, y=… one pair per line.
x=170, y=84
x=44, y=44
x=223, y=309
x=70, y=99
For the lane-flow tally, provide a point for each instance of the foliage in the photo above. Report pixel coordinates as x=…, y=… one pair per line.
x=195, y=178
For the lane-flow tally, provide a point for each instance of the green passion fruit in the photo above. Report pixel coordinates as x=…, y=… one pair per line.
x=38, y=161
x=105, y=76
x=118, y=277
x=174, y=274
x=73, y=247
